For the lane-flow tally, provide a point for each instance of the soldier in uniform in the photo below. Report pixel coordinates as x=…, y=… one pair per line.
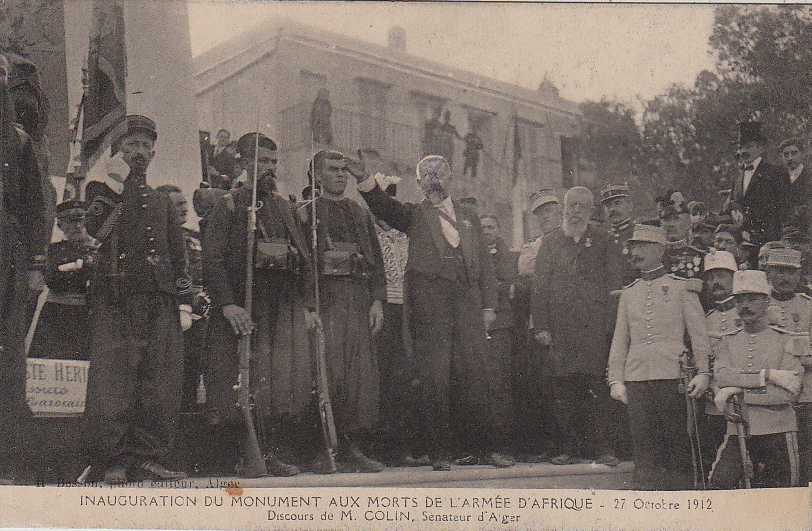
x=654, y=315
x=353, y=288
x=681, y=258
x=134, y=384
x=25, y=228
x=760, y=364
x=500, y=340
x=281, y=378
x=619, y=211
x=63, y=329
x=721, y=318
x=793, y=312
x=534, y=425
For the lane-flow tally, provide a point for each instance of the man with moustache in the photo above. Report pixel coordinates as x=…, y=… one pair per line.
x=451, y=296
x=281, y=280
x=761, y=365
x=799, y=192
x=762, y=189
x=535, y=435
x=570, y=316
x=134, y=383
x=681, y=258
x=619, y=210
x=654, y=315
x=353, y=288
x=793, y=312
x=720, y=319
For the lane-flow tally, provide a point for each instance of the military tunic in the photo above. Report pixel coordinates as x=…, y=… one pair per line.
x=795, y=314
x=684, y=260
x=741, y=360
x=134, y=384
x=345, y=304
x=63, y=330
x=281, y=366
x=654, y=315
x=619, y=234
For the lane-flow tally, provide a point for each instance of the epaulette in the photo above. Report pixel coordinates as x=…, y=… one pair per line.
x=698, y=250
x=805, y=296
x=709, y=312
x=732, y=332
x=675, y=277
x=632, y=283
x=694, y=285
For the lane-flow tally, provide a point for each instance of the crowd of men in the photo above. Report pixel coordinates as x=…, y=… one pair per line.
x=679, y=341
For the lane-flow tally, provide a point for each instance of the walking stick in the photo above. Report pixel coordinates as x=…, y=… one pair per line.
x=742, y=432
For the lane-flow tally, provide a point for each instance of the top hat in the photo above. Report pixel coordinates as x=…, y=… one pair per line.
x=750, y=132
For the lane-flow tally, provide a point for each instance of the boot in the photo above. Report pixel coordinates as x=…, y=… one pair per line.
x=277, y=467
x=355, y=461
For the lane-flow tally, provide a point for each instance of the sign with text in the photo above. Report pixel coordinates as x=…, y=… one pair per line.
x=56, y=388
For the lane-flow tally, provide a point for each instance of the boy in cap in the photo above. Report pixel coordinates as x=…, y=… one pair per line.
x=63, y=331
x=760, y=365
x=654, y=315
x=793, y=311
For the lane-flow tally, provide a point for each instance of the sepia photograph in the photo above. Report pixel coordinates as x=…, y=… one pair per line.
x=441, y=265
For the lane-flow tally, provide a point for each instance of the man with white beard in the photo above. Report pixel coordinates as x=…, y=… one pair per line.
x=571, y=315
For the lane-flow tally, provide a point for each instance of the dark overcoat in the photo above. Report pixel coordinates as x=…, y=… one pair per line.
x=571, y=300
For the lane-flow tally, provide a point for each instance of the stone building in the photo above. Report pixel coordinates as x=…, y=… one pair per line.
x=381, y=98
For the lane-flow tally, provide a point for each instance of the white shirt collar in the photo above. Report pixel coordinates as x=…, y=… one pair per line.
x=794, y=174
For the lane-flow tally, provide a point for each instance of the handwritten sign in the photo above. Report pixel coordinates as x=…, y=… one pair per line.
x=56, y=388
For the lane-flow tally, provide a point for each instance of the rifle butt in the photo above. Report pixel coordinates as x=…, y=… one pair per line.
x=253, y=463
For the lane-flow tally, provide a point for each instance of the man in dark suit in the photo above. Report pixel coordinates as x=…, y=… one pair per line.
x=761, y=189
x=136, y=369
x=450, y=293
x=799, y=191
x=571, y=314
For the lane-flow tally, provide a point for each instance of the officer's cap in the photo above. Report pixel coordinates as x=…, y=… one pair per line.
x=720, y=260
x=648, y=234
x=785, y=257
x=73, y=209
x=542, y=197
x=247, y=142
x=139, y=123
x=769, y=246
x=611, y=191
x=750, y=281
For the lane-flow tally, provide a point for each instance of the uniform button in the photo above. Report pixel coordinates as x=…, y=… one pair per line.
x=149, y=227
x=152, y=239
x=122, y=256
x=144, y=195
x=152, y=251
x=143, y=205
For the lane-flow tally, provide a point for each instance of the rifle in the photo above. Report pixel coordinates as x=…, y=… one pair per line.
x=742, y=432
x=687, y=372
x=253, y=462
x=318, y=344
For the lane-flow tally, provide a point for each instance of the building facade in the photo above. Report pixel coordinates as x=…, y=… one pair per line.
x=277, y=78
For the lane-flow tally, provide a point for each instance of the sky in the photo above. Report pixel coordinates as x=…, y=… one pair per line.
x=623, y=52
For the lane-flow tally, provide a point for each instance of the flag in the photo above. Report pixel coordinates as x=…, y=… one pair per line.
x=105, y=102
x=517, y=149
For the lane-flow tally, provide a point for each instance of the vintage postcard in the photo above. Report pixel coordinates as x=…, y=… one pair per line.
x=390, y=265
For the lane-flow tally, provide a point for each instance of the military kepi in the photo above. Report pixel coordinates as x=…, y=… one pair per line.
x=784, y=258
x=541, y=197
x=137, y=122
x=750, y=281
x=648, y=234
x=720, y=260
x=611, y=191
